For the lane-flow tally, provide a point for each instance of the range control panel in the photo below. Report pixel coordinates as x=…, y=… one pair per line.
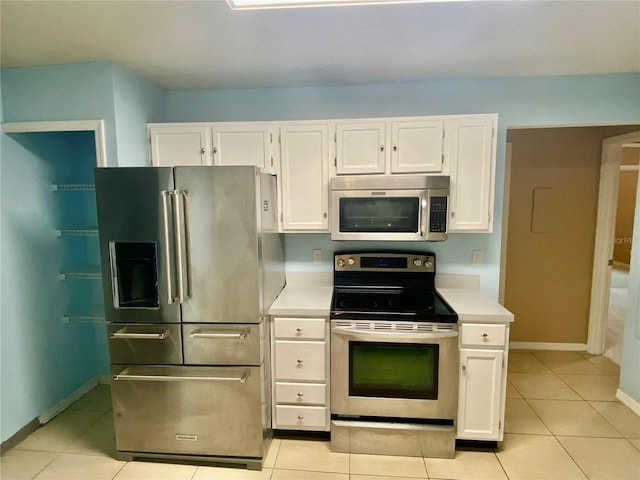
x=377, y=262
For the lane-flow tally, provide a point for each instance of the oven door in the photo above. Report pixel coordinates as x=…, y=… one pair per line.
x=379, y=215
x=394, y=369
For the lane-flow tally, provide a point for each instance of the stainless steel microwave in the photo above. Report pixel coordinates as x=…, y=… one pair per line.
x=389, y=208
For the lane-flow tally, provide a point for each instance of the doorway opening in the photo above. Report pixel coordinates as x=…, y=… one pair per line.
x=552, y=208
x=617, y=199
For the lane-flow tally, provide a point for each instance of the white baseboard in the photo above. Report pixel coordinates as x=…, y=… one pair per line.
x=568, y=347
x=65, y=402
x=628, y=401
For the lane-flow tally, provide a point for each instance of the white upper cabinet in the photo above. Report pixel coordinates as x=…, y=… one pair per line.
x=179, y=144
x=243, y=143
x=360, y=148
x=416, y=146
x=304, y=177
x=390, y=145
x=302, y=155
x=472, y=153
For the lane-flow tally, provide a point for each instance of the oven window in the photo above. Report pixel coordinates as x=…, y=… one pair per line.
x=398, y=214
x=393, y=370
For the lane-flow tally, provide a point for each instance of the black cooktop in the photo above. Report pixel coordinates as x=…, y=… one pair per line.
x=391, y=304
x=388, y=286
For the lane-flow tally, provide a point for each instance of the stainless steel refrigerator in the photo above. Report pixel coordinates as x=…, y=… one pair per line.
x=191, y=262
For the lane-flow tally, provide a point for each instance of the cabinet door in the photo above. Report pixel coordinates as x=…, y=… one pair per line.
x=479, y=396
x=242, y=144
x=360, y=148
x=179, y=145
x=304, y=165
x=416, y=146
x=472, y=157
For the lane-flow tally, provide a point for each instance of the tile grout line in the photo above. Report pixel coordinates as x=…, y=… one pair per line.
x=583, y=400
x=500, y=463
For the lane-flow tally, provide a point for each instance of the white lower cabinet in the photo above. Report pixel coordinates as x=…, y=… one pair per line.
x=482, y=381
x=300, y=365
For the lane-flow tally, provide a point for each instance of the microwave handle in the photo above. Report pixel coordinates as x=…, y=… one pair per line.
x=424, y=214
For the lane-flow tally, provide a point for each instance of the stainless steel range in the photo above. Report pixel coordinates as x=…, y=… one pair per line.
x=394, y=357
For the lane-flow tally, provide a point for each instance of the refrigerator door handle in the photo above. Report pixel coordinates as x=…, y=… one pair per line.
x=181, y=230
x=167, y=242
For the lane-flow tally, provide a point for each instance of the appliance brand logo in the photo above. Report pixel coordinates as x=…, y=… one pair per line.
x=188, y=438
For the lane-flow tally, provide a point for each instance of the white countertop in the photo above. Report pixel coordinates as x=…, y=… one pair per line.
x=304, y=295
x=473, y=305
x=310, y=295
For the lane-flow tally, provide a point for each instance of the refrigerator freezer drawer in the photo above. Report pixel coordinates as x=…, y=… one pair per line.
x=213, y=411
x=222, y=344
x=145, y=344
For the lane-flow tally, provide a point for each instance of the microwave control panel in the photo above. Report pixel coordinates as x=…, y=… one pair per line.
x=438, y=215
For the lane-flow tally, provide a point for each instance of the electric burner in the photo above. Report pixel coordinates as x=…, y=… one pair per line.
x=389, y=286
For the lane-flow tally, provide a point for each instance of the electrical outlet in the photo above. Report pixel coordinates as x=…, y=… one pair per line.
x=317, y=256
x=476, y=258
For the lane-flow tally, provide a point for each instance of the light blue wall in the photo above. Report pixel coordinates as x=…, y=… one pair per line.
x=136, y=103
x=43, y=358
x=593, y=99
x=62, y=92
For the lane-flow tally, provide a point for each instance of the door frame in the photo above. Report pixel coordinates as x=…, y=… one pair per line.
x=96, y=126
x=605, y=232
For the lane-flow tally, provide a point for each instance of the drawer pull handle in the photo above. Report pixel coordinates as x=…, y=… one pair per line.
x=484, y=335
x=300, y=417
x=464, y=368
x=299, y=329
x=300, y=395
x=300, y=360
x=202, y=334
x=140, y=336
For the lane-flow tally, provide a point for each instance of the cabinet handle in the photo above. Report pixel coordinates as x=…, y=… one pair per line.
x=484, y=335
x=300, y=417
x=300, y=394
x=453, y=214
x=215, y=149
x=202, y=151
x=464, y=368
x=299, y=329
x=395, y=147
x=300, y=361
x=382, y=148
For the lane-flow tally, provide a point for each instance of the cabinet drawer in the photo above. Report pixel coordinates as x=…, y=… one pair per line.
x=483, y=335
x=145, y=344
x=222, y=344
x=294, y=416
x=303, y=328
x=301, y=393
x=298, y=360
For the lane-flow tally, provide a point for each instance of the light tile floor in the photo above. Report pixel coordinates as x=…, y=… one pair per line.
x=562, y=422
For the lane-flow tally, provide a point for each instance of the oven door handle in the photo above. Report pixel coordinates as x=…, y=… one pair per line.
x=390, y=333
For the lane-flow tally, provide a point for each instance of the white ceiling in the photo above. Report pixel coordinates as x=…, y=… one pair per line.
x=204, y=44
